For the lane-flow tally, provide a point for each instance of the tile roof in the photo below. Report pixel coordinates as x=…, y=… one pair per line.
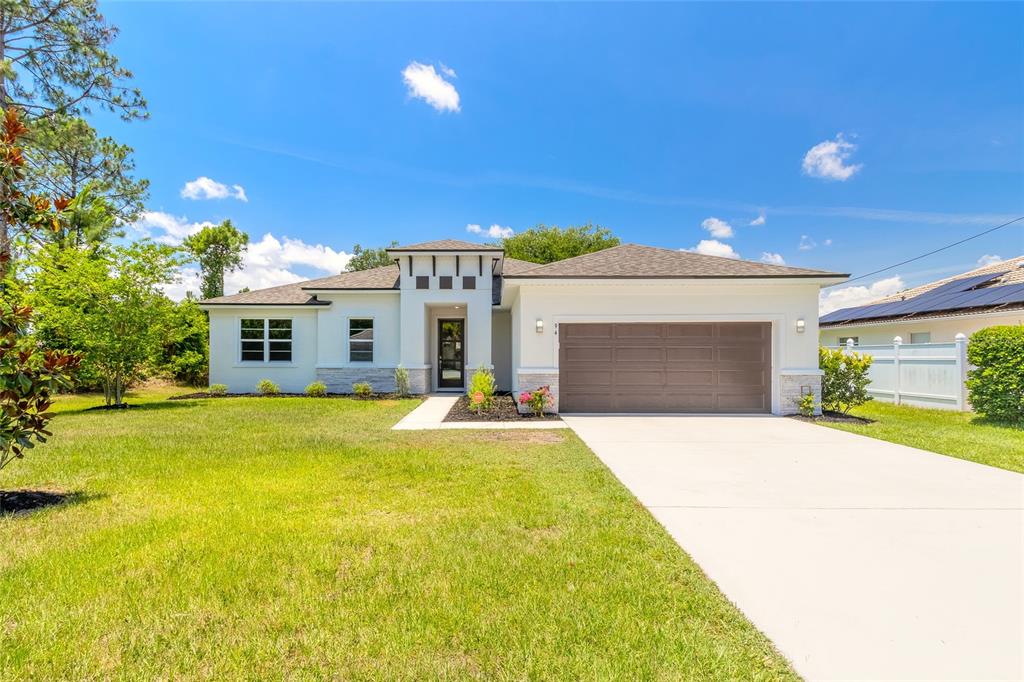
x=647, y=262
x=446, y=245
x=1015, y=275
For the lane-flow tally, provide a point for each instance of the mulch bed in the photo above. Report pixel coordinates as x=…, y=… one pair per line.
x=21, y=501
x=503, y=410
x=838, y=417
x=375, y=396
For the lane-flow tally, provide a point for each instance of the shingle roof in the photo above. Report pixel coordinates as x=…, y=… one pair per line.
x=630, y=261
x=514, y=266
x=446, y=245
x=384, y=277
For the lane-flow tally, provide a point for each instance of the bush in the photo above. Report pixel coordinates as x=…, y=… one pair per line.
x=537, y=400
x=267, y=387
x=806, y=405
x=217, y=389
x=402, y=381
x=362, y=390
x=996, y=384
x=481, y=389
x=317, y=389
x=845, y=382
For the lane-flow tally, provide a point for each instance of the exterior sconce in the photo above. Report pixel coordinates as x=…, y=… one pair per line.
x=540, y=326
x=800, y=326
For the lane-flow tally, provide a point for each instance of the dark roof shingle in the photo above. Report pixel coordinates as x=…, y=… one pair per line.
x=384, y=277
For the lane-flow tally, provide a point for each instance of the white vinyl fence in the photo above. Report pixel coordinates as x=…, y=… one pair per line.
x=920, y=374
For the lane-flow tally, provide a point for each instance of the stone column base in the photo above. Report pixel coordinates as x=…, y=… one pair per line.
x=531, y=381
x=792, y=388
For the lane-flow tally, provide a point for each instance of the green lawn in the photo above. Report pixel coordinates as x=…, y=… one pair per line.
x=301, y=538
x=957, y=434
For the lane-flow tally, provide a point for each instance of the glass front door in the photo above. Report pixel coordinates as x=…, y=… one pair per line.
x=451, y=343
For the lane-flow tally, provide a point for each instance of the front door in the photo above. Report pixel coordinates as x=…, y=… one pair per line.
x=451, y=345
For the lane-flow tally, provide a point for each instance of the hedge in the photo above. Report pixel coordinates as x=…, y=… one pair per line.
x=996, y=384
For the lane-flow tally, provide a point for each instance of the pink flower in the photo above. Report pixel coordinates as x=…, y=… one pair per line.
x=525, y=397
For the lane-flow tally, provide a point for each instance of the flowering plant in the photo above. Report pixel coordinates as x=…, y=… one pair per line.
x=537, y=400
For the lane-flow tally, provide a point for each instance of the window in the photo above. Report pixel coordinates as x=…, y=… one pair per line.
x=844, y=339
x=422, y=282
x=445, y=281
x=266, y=340
x=920, y=337
x=469, y=282
x=360, y=340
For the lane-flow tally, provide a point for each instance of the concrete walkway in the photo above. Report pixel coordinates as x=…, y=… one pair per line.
x=431, y=413
x=860, y=559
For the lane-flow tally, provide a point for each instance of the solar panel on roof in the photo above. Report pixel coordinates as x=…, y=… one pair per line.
x=965, y=283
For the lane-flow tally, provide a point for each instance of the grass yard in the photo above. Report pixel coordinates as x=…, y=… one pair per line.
x=301, y=538
x=957, y=434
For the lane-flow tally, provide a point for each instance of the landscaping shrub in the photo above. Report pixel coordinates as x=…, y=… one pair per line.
x=217, y=389
x=996, y=384
x=481, y=389
x=806, y=405
x=317, y=389
x=537, y=400
x=845, y=382
x=362, y=390
x=267, y=387
x=402, y=381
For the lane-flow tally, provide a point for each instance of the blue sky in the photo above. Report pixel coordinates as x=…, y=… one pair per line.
x=863, y=134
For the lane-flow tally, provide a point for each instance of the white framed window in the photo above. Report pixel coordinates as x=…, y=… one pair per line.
x=360, y=339
x=844, y=339
x=920, y=337
x=265, y=339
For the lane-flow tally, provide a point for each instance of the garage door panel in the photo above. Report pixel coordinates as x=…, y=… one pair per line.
x=665, y=367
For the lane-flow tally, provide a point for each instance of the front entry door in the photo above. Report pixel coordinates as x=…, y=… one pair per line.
x=451, y=345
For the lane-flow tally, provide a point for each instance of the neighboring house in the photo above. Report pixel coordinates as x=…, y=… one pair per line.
x=934, y=312
x=628, y=329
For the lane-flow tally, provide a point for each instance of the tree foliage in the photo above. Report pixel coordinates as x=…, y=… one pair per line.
x=67, y=158
x=106, y=305
x=366, y=259
x=996, y=383
x=547, y=244
x=218, y=249
x=186, y=353
x=845, y=380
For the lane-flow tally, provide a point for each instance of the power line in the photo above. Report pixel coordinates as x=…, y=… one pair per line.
x=925, y=255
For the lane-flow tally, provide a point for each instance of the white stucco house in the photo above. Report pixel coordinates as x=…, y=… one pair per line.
x=935, y=312
x=628, y=329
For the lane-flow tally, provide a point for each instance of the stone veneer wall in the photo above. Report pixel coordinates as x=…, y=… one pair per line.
x=530, y=381
x=790, y=391
x=382, y=379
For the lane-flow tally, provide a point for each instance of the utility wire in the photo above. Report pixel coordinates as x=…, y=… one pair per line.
x=943, y=248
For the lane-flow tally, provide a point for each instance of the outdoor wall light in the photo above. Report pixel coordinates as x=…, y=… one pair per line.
x=800, y=326
x=540, y=326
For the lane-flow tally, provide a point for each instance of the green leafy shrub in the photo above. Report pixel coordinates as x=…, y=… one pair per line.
x=217, y=389
x=481, y=389
x=267, y=387
x=402, y=381
x=844, y=384
x=362, y=390
x=996, y=384
x=806, y=405
x=317, y=389
x=538, y=400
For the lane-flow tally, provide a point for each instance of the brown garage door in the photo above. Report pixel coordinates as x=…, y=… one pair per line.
x=669, y=367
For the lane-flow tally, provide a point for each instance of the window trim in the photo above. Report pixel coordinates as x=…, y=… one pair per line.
x=841, y=340
x=266, y=342
x=372, y=342
x=912, y=334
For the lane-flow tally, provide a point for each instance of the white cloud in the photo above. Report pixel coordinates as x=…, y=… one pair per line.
x=713, y=247
x=495, y=231
x=828, y=160
x=827, y=242
x=719, y=229
x=989, y=259
x=448, y=71
x=427, y=84
x=759, y=220
x=847, y=297
x=165, y=228
x=772, y=258
x=806, y=243
x=208, y=188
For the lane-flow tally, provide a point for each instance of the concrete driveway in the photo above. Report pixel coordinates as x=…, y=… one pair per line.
x=860, y=559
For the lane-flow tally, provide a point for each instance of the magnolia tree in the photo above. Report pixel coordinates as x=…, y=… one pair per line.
x=108, y=306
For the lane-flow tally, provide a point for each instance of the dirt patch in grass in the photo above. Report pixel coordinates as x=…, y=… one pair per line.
x=351, y=396
x=834, y=417
x=22, y=501
x=503, y=410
